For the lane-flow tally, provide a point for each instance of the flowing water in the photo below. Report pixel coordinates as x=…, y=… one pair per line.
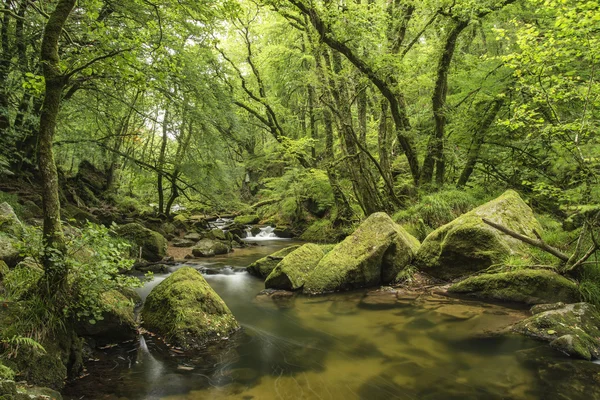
x=340, y=347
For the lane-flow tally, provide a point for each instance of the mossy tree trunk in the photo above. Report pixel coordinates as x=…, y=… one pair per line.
x=161, y=163
x=54, y=241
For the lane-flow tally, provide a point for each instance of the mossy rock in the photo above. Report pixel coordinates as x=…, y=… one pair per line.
x=210, y=248
x=153, y=244
x=264, y=266
x=216, y=234
x=187, y=312
x=62, y=360
x=118, y=323
x=250, y=219
x=292, y=271
x=9, y=222
x=467, y=245
x=9, y=252
x=375, y=253
x=573, y=329
x=36, y=393
x=530, y=286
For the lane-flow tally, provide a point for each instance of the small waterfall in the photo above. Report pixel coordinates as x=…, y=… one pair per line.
x=220, y=223
x=266, y=232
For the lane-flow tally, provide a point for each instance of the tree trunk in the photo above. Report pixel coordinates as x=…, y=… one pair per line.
x=160, y=164
x=435, y=147
x=478, y=139
x=54, y=242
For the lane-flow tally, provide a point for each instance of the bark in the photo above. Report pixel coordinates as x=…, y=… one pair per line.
x=160, y=164
x=54, y=279
x=435, y=148
x=397, y=106
x=182, y=145
x=478, y=140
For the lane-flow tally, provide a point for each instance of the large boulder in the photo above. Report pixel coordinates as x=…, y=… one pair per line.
x=209, y=248
x=467, y=245
x=375, y=253
x=264, y=266
x=153, y=245
x=573, y=329
x=117, y=324
x=187, y=312
x=530, y=286
x=9, y=222
x=292, y=271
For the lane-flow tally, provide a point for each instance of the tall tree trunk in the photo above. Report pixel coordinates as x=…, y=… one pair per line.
x=55, y=269
x=161, y=163
x=182, y=146
x=478, y=140
x=435, y=151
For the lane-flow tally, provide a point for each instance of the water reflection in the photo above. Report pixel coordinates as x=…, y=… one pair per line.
x=338, y=347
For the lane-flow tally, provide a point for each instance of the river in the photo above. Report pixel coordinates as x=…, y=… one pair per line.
x=339, y=347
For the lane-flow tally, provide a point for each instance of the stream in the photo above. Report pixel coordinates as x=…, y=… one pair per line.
x=338, y=347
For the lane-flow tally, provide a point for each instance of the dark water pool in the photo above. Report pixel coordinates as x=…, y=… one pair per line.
x=335, y=347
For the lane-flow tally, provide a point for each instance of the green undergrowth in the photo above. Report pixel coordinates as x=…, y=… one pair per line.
x=437, y=209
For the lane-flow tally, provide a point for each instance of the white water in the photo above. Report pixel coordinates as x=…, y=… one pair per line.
x=266, y=233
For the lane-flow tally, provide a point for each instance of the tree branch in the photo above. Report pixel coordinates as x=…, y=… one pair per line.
x=539, y=243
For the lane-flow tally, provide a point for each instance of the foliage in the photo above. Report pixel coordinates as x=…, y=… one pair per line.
x=96, y=262
x=439, y=208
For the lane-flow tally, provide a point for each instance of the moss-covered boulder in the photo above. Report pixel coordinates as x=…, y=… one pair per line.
x=9, y=252
x=153, y=245
x=375, y=253
x=264, y=266
x=573, y=329
x=117, y=324
x=468, y=245
x=210, y=248
x=247, y=219
x=9, y=222
x=530, y=286
x=292, y=271
x=187, y=312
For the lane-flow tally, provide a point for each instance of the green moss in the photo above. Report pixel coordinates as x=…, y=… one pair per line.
x=209, y=248
x=3, y=270
x=9, y=252
x=580, y=320
x=247, y=219
x=531, y=286
x=323, y=231
x=264, y=266
x=6, y=373
x=118, y=323
x=153, y=244
x=9, y=222
x=468, y=245
x=376, y=252
x=292, y=271
x=186, y=311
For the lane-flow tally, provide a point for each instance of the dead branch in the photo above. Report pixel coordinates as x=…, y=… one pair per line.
x=539, y=243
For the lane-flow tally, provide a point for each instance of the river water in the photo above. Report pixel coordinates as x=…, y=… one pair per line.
x=340, y=347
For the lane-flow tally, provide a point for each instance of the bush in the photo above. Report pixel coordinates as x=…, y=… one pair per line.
x=95, y=261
